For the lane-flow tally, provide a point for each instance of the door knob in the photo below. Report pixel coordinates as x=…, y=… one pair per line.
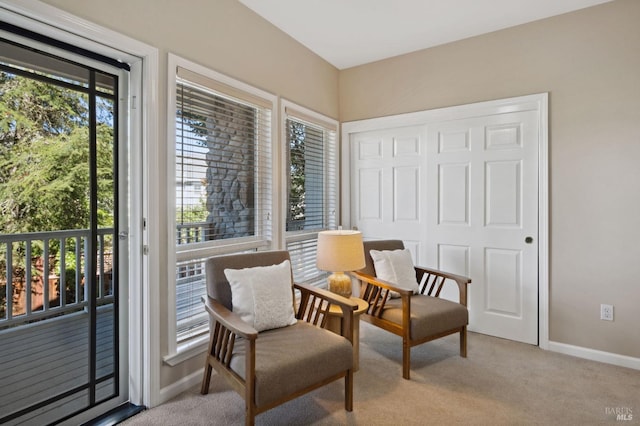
x=528, y=240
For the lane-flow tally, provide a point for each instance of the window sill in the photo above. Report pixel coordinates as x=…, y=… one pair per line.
x=192, y=348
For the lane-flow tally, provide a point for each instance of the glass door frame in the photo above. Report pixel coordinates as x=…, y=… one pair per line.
x=143, y=327
x=120, y=242
x=145, y=359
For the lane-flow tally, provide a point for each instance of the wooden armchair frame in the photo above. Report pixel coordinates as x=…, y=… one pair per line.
x=431, y=281
x=227, y=330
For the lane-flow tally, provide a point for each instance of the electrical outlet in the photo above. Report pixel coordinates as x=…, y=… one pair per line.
x=606, y=312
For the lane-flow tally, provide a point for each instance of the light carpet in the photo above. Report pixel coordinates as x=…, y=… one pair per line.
x=500, y=383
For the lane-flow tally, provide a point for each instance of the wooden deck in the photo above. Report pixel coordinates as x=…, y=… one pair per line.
x=50, y=357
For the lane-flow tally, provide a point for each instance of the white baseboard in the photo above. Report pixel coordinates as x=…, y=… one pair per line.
x=595, y=355
x=176, y=388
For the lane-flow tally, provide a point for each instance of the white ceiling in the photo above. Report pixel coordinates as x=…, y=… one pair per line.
x=347, y=33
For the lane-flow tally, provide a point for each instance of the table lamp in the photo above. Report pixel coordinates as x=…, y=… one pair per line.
x=340, y=251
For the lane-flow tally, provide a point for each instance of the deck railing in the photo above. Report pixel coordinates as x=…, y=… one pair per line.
x=42, y=274
x=190, y=282
x=195, y=232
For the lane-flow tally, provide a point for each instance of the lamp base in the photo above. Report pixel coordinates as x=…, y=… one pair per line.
x=340, y=283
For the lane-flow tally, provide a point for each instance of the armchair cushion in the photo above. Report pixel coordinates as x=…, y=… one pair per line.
x=396, y=267
x=262, y=295
x=293, y=358
x=429, y=315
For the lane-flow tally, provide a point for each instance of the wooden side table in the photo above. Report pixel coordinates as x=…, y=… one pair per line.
x=334, y=323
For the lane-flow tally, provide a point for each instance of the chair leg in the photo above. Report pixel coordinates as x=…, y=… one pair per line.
x=250, y=407
x=250, y=417
x=348, y=391
x=206, y=379
x=406, y=359
x=463, y=342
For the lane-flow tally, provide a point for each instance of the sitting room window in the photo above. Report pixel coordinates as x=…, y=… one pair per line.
x=222, y=162
x=311, y=170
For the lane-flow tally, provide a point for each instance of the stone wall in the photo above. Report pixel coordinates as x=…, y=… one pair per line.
x=230, y=164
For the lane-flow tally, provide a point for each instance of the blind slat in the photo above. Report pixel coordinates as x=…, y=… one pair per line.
x=312, y=196
x=302, y=117
x=223, y=183
x=221, y=88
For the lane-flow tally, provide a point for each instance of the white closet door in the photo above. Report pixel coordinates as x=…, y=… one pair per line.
x=482, y=177
x=462, y=193
x=387, y=193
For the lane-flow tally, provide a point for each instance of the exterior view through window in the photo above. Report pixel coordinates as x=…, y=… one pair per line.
x=307, y=175
x=58, y=257
x=223, y=184
x=311, y=193
x=224, y=189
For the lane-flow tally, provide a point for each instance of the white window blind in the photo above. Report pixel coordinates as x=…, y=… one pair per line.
x=303, y=260
x=223, y=185
x=191, y=318
x=312, y=192
x=223, y=166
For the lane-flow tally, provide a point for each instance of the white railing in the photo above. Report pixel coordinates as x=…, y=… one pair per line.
x=188, y=233
x=43, y=273
x=190, y=283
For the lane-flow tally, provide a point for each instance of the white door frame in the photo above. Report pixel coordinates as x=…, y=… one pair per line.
x=537, y=102
x=144, y=357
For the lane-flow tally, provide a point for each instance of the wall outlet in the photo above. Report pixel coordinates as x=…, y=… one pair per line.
x=606, y=312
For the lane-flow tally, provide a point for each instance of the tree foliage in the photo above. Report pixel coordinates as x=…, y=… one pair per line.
x=44, y=158
x=45, y=167
x=297, y=136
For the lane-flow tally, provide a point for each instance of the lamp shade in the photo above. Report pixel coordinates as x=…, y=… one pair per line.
x=340, y=250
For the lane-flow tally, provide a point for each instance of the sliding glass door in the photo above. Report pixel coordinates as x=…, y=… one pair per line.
x=63, y=233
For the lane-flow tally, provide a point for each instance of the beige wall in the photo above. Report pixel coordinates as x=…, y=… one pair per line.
x=229, y=38
x=589, y=62
x=225, y=36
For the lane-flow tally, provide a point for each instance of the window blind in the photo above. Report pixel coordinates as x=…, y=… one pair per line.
x=312, y=193
x=303, y=261
x=223, y=185
x=191, y=318
x=223, y=167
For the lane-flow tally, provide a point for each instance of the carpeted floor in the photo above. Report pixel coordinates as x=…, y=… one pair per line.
x=500, y=383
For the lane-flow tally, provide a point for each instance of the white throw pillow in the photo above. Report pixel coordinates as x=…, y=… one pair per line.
x=262, y=295
x=395, y=266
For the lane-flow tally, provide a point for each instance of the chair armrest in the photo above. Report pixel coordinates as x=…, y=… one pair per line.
x=314, y=307
x=377, y=292
x=228, y=319
x=370, y=279
x=226, y=326
x=436, y=279
x=448, y=275
x=333, y=298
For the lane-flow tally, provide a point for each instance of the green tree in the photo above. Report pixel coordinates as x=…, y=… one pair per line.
x=297, y=136
x=44, y=162
x=30, y=109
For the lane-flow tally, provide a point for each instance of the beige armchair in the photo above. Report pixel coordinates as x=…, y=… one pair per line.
x=273, y=366
x=417, y=318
